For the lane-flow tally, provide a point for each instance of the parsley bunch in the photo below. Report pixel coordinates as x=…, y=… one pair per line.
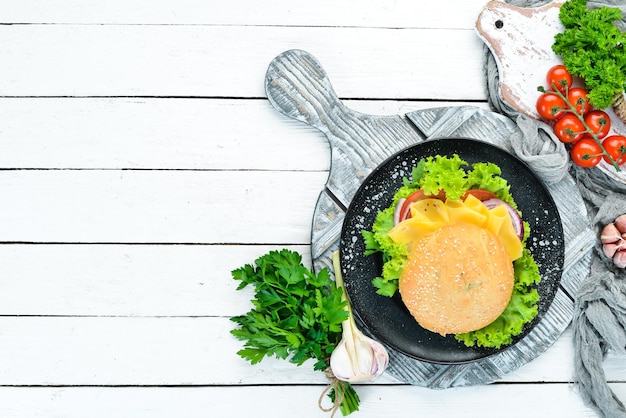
x=592, y=48
x=297, y=315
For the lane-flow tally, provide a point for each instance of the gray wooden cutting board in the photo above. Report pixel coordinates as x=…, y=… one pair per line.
x=297, y=86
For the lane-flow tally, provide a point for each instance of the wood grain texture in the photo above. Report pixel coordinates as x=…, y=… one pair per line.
x=127, y=280
x=521, y=41
x=297, y=86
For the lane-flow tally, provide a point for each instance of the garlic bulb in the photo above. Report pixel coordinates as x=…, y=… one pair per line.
x=357, y=358
x=613, y=238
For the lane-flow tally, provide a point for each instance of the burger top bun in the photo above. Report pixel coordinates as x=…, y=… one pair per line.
x=457, y=279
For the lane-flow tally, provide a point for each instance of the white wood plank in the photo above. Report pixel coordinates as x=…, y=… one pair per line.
x=496, y=401
x=116, y=351
x=156, y=281
x=61, y=351
x=127, y=280
x=374, y=13
x=230, y=61
x=134, y=351
x=158, y=133
x=173, y=280
x=158, y=206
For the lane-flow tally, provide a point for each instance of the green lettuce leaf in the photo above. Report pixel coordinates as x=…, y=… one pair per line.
x=394, y=254
x=441, y=173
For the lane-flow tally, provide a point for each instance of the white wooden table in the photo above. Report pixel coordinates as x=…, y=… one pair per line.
x=140, y=163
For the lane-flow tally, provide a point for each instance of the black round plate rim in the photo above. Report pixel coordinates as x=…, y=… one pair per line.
x=476, y=353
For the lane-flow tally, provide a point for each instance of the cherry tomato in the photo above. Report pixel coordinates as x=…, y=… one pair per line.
x=599, y=122
x=550, y=106
x=577, y=96
x=615, y=145
x=586, y=153
x=479, y=194
x=559, y=78
x=569, y=128
x=405, y=210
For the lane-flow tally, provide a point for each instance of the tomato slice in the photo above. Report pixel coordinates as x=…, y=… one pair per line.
x=479, y=194
x=405, y=212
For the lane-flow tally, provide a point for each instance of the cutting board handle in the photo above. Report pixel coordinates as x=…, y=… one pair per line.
x=297, y=85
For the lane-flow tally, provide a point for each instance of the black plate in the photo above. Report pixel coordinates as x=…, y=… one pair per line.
x=387, y=319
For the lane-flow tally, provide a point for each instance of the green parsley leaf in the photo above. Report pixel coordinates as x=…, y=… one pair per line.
x=592, y=48
x=296, y=316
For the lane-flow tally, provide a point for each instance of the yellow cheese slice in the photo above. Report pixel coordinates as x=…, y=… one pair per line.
x=471, y=211
x=428, y=215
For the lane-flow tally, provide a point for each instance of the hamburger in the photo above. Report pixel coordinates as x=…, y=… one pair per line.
x=453, y=247
x=457, y=279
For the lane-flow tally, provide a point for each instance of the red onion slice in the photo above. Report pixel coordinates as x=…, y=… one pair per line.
x=396, y=214
x=516, y=220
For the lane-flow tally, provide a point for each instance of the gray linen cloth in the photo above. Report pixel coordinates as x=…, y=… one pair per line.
x=599, y=321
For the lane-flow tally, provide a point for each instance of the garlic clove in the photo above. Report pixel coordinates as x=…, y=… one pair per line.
x=381, y=358
x=620, y=223
x=619, y=259
x=364, y=361
x=340, y=362
x=609, y=249
x=372, y=358
x=610, y=234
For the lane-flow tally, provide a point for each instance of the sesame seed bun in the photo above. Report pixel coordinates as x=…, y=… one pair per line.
x=457, y=279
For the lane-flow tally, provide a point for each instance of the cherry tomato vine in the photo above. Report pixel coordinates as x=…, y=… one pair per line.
x=577, y=124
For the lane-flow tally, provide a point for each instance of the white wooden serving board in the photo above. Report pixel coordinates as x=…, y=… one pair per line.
x=298, y=87
x=521, y=41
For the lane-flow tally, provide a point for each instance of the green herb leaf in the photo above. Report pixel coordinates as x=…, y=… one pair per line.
x=592, y=48
x=296, y=315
